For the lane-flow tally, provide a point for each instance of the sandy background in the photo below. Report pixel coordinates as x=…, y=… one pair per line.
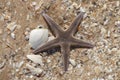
x=101, y=26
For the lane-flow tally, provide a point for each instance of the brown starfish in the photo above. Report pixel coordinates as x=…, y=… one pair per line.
x=63, y=39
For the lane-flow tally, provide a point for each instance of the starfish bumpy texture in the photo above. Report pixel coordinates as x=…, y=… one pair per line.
x=63, y=39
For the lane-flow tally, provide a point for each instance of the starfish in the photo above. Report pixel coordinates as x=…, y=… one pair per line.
x=63, y=38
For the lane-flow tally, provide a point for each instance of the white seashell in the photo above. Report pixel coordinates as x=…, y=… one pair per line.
x=35, y=58
x=38, y=37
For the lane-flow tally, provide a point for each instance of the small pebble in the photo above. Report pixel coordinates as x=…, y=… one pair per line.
x=20, y=64
x=118, y=63
x=34, y=3
x=110, y=77
x=114, y=49
x=117, y=3
x=94, y=24
x=40, y=26
x=108, y=34
x=27, y=37
x=11, y=26
x=106, y=22
x=2, y=65
x=103, y=30
x=82, y=9
x=33, y=70
x=115, y=35
x=97, y=70
x=12, y=35
x=117, y=23
x=48, y=60
x=51, y=38
x=1, y=31
x=72, y=62
x=26, y=33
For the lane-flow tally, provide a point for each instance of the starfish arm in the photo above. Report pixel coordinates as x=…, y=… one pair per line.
x=65, y=50
x=48, y=45
x=54, y=27
x=81, y=44
x=73, y=28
